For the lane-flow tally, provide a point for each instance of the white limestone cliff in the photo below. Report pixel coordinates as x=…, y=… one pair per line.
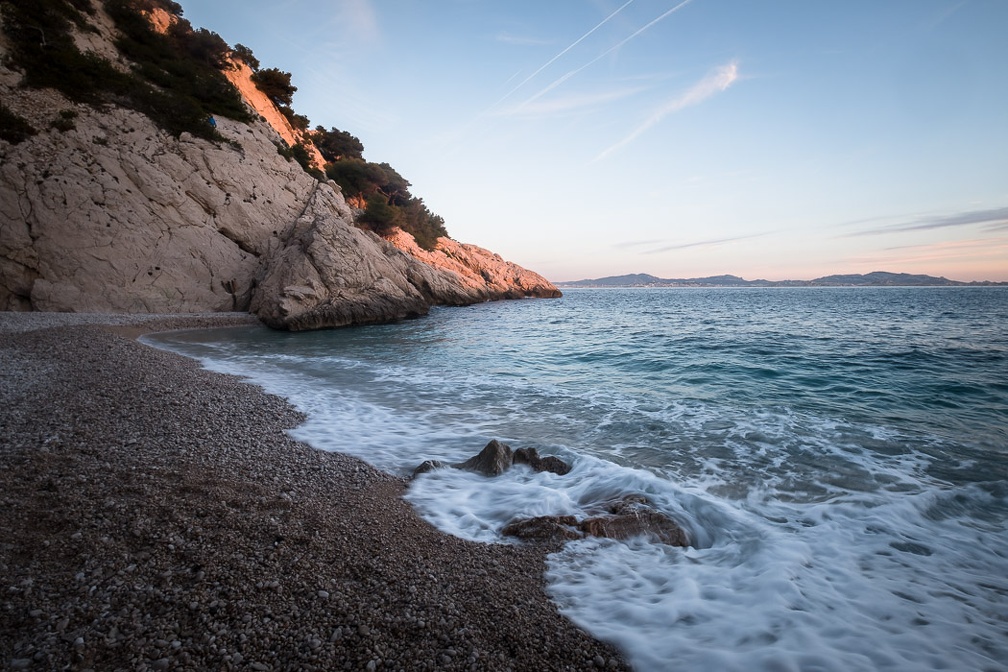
x=115, y=215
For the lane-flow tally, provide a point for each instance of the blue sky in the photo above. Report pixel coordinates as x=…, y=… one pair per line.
x=585, y=138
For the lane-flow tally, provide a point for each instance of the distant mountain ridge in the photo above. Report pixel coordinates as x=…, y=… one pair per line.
x=874, y=279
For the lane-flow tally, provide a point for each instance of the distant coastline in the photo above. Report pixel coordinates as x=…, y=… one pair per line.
x=874, y=279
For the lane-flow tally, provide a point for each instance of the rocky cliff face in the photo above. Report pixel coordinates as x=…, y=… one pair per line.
x=102, y=211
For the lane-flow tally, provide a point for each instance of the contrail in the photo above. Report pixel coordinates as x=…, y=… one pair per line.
x=571, y=46
x=598, y=58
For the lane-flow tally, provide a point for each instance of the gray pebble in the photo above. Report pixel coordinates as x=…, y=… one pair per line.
x=219, y=528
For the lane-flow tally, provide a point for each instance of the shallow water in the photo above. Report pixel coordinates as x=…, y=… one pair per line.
x=838, y=456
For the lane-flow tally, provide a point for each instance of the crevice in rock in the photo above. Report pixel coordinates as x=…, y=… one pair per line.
x=243, y=245
x=308, y=201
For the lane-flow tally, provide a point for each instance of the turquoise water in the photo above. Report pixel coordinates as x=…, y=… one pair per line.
x=839, y=457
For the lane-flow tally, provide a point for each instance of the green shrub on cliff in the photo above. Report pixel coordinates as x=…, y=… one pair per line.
x=276, y=84
x=42, y=45
x=300, y=153
x=424, y=225
x=65, y=121
x=379, y=182
x=337, y=145
x=244, y=54
x=13, y=128
x=379, y=216
x=175, y=81
x=183, y=65
x=356, y=177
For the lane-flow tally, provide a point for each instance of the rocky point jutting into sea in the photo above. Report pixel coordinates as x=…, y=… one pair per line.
x=104, y=211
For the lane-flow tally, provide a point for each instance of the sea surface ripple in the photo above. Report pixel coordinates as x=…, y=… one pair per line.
x=838, y=455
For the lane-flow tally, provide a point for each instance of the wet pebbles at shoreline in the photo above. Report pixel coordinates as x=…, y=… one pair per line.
x=156, y=516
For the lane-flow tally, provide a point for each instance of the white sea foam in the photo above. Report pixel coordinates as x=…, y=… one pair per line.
x=826, y=536
x=854, y=581
x=475, y=507
x=846, y=581
x=853, y=588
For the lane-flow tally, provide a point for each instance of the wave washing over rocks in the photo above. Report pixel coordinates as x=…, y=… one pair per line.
x=157, y=516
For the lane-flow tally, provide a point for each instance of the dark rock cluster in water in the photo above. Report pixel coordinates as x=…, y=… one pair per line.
x=623, y=518
x=496, y=458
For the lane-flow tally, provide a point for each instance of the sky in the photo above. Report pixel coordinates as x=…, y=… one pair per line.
x=786, y=139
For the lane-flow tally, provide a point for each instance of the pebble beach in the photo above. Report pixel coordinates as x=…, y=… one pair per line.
x=157, y=516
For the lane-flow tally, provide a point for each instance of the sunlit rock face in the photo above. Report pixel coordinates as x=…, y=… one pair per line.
x=240, y=75
x=111, y=214
x=479, y=269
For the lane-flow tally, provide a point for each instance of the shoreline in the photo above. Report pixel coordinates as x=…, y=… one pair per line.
x=155, y=515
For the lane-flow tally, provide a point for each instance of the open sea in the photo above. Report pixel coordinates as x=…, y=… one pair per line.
x=839, y=457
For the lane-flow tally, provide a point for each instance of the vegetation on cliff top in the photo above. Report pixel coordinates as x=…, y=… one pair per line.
x=376, y=187
x=177, y=81
x=13, y=128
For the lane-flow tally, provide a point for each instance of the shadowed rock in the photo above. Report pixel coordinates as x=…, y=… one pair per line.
x=651, y=524
x=497, y=457
x=544, y=528
x=623, y=519
x=530, y=456
x=429, y=465
x=493, y=460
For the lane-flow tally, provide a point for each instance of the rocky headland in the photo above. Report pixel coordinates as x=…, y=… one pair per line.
x=103, y=210
x=157, y=516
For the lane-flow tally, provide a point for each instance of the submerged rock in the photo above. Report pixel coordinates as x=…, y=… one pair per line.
x=544, y=528
x=497, y=457
x=628, y=517
x=429, y=465
x=636, y=521
x=530, y=456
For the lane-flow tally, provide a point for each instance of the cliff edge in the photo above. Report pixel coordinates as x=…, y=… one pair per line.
x=101, y=210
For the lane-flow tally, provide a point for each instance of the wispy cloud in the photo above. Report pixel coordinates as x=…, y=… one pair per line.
x=942, y=15
x=528, y=105
x=357, y=19
x=712, y=242
x=995, y=219
x=557, y=82
x=964, y=254
x=716, y=82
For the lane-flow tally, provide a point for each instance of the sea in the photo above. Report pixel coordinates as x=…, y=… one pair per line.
x=838, y=457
